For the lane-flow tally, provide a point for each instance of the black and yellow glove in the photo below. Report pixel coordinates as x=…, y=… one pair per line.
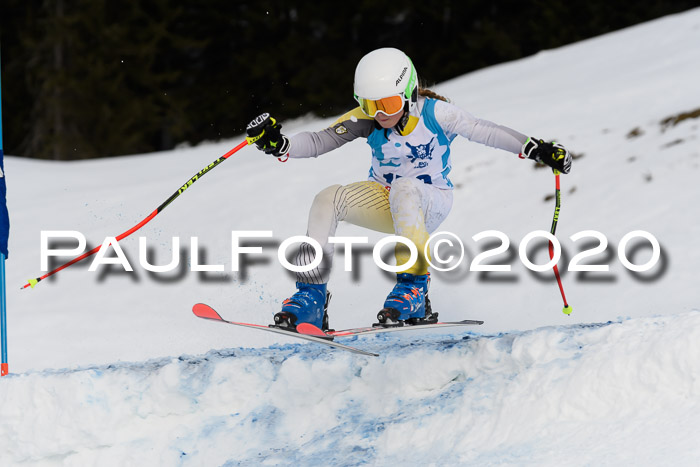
x=552, y=154
x=264, y=132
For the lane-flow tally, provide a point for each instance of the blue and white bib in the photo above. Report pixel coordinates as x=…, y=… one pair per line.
x=422, y=153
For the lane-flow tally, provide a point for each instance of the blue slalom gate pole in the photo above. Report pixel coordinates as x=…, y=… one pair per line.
x=3, y=317
x=4, y=234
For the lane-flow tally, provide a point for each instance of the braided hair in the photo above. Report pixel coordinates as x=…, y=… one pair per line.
x=430, y=93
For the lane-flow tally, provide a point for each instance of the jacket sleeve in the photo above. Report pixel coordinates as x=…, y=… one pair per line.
x=459, y=122
x=349, y=127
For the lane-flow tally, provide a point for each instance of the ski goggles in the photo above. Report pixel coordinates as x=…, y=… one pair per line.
x=387, y=105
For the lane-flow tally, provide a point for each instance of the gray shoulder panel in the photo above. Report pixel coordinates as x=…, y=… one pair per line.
x=347, y=128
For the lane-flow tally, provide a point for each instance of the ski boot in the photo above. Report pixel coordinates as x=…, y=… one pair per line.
x=308, y=305
x=408, y=303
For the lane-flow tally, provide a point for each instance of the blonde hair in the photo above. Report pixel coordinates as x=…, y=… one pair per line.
x=432, y=94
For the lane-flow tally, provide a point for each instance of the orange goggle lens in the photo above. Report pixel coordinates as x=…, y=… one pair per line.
x=387, y=105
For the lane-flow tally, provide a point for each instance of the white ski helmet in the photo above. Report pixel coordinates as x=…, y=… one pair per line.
x=384, y=73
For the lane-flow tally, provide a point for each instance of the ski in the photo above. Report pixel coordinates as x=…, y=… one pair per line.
x=206, y=312
x=311, y=330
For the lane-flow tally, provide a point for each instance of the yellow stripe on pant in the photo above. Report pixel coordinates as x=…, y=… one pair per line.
x=401, y=211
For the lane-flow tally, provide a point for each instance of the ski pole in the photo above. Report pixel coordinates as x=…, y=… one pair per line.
x=557, y=194
x=32, y=282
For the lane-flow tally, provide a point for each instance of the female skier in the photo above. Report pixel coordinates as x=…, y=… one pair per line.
x=408, y=193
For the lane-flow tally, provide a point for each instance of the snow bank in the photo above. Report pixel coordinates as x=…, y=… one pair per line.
x=617, y=393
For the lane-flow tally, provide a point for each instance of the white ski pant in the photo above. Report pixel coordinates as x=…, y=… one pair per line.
x=411, y=209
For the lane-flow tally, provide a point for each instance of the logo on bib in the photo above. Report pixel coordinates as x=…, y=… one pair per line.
x=422, y=152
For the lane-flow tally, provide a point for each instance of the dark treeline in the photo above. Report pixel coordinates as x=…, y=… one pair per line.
x=89, y=78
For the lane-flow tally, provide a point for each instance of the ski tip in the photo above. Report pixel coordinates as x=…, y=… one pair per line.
x=205, y=311
x=310, y=330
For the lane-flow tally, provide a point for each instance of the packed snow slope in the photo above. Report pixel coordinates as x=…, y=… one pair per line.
x=613, y=394
x=621, y=393
x=530, y=385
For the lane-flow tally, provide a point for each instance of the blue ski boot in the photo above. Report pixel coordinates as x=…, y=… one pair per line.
x=308, y=305
x=408, y=302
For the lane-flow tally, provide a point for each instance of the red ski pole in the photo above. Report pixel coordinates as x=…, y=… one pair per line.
x=32, y=282
x=567, y=309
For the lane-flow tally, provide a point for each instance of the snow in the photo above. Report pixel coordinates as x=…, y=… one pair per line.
x=622, y=393
x=112, y=368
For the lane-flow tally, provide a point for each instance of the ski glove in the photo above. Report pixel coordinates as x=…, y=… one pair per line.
x=553, y=154
x=264, y=131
